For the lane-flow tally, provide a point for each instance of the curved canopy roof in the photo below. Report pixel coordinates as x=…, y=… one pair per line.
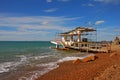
x=77, y=31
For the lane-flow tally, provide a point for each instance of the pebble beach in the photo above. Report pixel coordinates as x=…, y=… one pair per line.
x=105, y=67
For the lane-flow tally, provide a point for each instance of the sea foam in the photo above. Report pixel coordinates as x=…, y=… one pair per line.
x=40, y=57
x=50, y=66
x=6, y=66
x=36, y=74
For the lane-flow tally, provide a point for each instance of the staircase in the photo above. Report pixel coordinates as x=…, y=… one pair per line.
x=63, y=44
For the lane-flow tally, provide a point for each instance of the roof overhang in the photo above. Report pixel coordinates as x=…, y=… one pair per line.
x=78, y=30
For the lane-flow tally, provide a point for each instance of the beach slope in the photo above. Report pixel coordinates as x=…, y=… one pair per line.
x=105, y=63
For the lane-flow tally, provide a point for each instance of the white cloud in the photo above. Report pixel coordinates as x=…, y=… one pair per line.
x=4, y=32
x=22, y=35
x=64, y=0
x=41, y=22
x=117, y=30
x=89, y=4
x=107, y=32
x=99, y=0
x=51, y=10
x=39, y=27
x=27, y=27
x=48, y=0
x=99, y=22
x=109, y=1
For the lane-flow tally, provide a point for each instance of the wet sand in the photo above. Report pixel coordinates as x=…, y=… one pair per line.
x=103, y=68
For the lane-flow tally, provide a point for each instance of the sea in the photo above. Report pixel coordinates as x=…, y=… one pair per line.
x=28, y=60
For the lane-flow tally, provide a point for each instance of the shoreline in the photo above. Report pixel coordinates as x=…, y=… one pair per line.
x=84, y=70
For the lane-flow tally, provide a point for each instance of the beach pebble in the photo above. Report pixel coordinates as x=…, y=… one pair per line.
x=90, y=58
x=76, y=61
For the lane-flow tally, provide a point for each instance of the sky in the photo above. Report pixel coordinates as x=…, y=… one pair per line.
x=41, y=20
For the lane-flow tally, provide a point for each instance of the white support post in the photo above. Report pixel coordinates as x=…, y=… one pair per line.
x=79, y=38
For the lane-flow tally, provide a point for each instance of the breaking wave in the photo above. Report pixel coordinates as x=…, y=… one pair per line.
x=49, y=66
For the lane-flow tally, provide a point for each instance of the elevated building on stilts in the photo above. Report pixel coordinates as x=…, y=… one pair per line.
x=77, y=39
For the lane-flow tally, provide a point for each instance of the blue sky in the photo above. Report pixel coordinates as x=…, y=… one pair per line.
x=35, y=20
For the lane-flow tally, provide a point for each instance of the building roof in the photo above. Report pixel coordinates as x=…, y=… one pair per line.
x=77, y=30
